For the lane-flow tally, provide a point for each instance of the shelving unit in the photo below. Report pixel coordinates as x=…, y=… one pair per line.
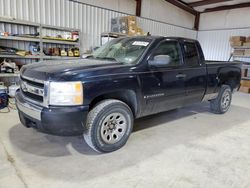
x=241, y=48
x=245, y=79
x=37, y=39
x=9, y=75
x=41, y=40
x=37, y=57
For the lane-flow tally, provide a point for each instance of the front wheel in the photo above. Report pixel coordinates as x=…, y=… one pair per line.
x=108, y=126
x=222, y=103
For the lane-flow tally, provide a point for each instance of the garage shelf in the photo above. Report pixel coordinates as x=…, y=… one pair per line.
x=28, y=39
x=242, y=56
x=37, y=39
x=20, y=57
x=245, y=78
x=241, y=47
x=18, y=22
x=64, y=42
x=37, y=57
x=9, y=74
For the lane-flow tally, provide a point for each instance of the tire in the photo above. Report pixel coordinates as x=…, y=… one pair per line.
x=108, y=126
x=222, y=103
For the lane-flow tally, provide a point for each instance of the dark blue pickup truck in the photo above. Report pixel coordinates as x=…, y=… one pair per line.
x=127, y=78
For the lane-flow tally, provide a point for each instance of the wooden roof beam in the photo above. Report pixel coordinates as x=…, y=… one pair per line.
x=206, y=2
x=183, y=6
x=227, y=7
x=138, y=7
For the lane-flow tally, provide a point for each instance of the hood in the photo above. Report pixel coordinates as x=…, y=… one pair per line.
x=49, y=69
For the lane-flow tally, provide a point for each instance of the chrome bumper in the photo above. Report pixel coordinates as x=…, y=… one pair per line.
x=28, y=109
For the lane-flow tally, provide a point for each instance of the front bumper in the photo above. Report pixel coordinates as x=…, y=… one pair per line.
x=63, y=121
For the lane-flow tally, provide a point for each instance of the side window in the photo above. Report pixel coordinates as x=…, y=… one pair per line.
x=170, y=48
x=191, y=54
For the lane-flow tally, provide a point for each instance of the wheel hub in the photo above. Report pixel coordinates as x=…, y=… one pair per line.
x=113, y=128
x=112, y=125
x=225, y=102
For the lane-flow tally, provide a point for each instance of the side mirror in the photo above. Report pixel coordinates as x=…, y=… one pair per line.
x=160, y=61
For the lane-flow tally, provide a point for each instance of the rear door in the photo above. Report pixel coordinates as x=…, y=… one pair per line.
x=163, y=87
x=195, y=72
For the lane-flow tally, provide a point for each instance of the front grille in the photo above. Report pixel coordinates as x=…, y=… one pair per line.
x=39, y=85
x=33, y=96
x=32, y=90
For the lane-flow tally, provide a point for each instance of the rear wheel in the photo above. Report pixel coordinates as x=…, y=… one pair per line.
x=222, y=103
x=109, y=125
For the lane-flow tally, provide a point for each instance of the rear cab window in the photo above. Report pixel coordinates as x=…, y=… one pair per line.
x=191, y=54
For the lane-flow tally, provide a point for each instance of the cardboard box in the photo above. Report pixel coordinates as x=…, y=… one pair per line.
x=248, y=39
x=236, y=43
x=247, y=52
x=244, y=73
x=238, y=39
x=246, y=44
x=245, y=89
x=239, y=52
x=131, y=20
x=132, y=32
x=245, y=83
x=139, y=31
x=132, y=28
x=248, y=73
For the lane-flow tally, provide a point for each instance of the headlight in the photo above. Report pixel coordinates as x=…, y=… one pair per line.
x=65, y=93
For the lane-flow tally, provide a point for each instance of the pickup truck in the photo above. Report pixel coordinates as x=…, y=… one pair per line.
x=127, y=78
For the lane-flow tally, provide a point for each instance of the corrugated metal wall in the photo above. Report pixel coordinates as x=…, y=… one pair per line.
x=163, y=29
x=92, y=21
x=215, y=43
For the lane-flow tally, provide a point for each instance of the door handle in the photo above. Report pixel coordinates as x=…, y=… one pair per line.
x=181, y=76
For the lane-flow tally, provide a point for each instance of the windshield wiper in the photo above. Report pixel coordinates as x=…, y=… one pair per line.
x=108, y=58
x=104, y=58
x=89, y=56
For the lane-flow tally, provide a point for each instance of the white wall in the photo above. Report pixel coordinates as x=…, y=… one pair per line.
x=217, y=27
x=215, y=43
x=163, y=11
x=235, y=18
x=125, y=6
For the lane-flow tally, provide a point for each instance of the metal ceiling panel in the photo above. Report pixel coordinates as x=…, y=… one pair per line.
x=202, y=8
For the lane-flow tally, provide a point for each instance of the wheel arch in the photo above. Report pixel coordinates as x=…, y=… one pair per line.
x=127, y=96
x=231, y=78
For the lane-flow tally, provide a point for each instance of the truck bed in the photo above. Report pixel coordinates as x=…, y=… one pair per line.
x=220, y=70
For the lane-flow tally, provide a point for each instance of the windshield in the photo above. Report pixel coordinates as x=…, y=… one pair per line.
x=122, y=50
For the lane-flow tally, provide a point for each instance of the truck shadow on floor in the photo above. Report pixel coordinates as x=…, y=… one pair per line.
x=152, y=135
x=165, y=117
x=55, y=146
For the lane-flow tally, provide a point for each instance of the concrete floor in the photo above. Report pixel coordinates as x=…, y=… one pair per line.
x=189, y=147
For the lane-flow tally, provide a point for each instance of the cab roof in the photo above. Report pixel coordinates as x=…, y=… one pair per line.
x=154, y=37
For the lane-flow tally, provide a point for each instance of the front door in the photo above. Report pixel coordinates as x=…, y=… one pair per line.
x=163, y=87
